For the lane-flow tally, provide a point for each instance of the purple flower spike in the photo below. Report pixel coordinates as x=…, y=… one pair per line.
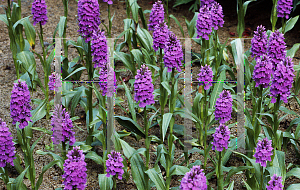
x=276, y=48
x=99, y=49
x=217, y=16
x=62, y=126
x=204, y=23
x=156, y=15
x=103, y=80
x=262, y=71
x=221, y=138
x=223, y=107
x=194, y=179
x=110, y=2
x=208, y=3
x=275, y=183
x=259, y=42
x=51, y=82
x=114, y=165
x=39, y=12
x=284, y=8
x=143, y=87
x=19, y=104
x=75, y=170
x=88, y=18
x=205, y=75
x=263, y=151
x=160, y=36
x=7, y=149
x=173, y=53
x=282, y=81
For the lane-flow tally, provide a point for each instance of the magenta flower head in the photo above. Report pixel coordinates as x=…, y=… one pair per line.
x=208, y=3
x=284, y=8
x=205, y=75
x=259, y=42
x=99, y=49
x=143, y=87
x=103, y=80
x=160, y=36
x=275, y=183
x=223, y=107
x=156, y=15
x=173, y=53
x=75, y=170
x=39, y=12
x=110, y=2
x=204, y=23
x=263, y=152
x=88, y=18
x=194, y=179
x=282, y=81
x=262, y=71
x=221, y=138
x=7, y=149
x=114, y=165
x=19, y=104
x=51, y=82
x=276, y=48
x=62, y=126
x=217, y=15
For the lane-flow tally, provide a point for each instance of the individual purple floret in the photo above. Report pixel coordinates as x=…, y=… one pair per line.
x=99, y=49
x=75, y=170
x=88, y=18
x=19, y=104
x=110, y=2
x=39, y=12
x=204, y=23
x=194, y=179
x=223, y=107
x=51, y=82
x=103, y=80
x=263, y=151
x=262, y=71
x=160, y=36
x=282, y=81
x=276, y=48
x=284, y=8
x=217, y=16
x=156, y=15
x=62, y=126
x=221, y=138
x=7, y=149
x=173, y=53
x=143, y=87
x=275, y=183
x=205, y=75
x=208, y=3
x=114, y=165
x=259, y=42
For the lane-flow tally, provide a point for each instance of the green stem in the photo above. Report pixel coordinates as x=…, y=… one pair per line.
x=115, y=182
x=29, y=157
x=283, y=25
x=205, y=129
x=109, y=21
x=276, y=123
x=127, y=9
x=90, y=96
x=215, y=50
x=147, y=143
x=167, y=8
x=64, y=150
x=6, y=178
x=65, y=2
x=261, y=178
x=274, y=15
x=253, y=103
x=162, y=94
x=104, y=118
x=220, y=172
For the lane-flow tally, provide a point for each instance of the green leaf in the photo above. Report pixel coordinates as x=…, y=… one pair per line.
x=157, y=179
x=39, y=112
x=74, y=72
x=130, y=124
x=231, y=186
x=235, y=170
x=135, y=10
x=95, y=157
x=61, y=26
x=293, y=172
x=29, y=31
x=130, y=102
x=218, y=87
x=138, y=56
x=291, y=52
x=54, y=156
x=165, y=84
x=17, y=163
x=45, y=168
x=128, y=150
x=294, y=186
x=178, y=23
x=191, y=25
x=138, y=168
x=179, y=170
x=18, y=183
x=165, y=124
x=105, y=183
x=125, y=58
x=4, y=19
x=145, y=39
x=290, y=24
